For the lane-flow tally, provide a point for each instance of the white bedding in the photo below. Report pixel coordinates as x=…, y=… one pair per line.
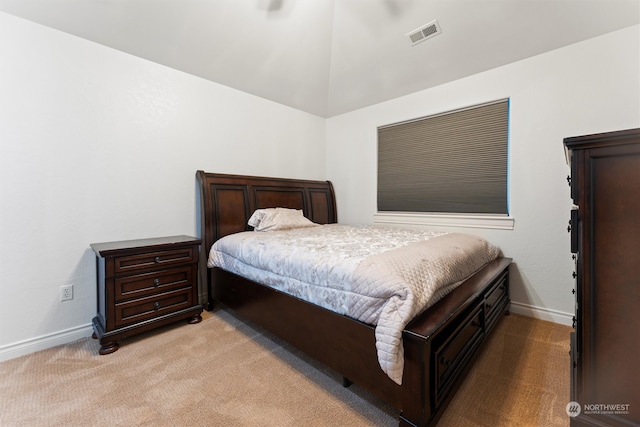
x=380, y=276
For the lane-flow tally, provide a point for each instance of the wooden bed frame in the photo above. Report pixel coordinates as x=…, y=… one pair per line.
x=439, y=345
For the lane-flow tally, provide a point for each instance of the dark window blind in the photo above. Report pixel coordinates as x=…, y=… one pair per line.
x=455, y=162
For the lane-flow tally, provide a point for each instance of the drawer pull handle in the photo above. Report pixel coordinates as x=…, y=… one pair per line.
x=445, y=361
x=489, y=305
x=157, y=260
x=156, y=283
x=476, y=324
x=156, y=305
x=574, y=274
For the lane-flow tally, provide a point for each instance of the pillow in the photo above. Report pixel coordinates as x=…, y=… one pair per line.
x=273, y=219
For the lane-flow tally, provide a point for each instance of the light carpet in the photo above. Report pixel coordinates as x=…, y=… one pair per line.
x=223, y=372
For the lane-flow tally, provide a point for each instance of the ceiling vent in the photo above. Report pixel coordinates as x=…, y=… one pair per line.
x=425, y=32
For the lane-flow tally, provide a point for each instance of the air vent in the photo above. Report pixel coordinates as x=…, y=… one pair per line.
x=425, y=32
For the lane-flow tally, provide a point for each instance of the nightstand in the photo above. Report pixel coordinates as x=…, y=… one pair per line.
x=144, y=284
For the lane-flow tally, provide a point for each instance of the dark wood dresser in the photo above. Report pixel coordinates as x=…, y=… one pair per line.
x=605, y=240
x=144, y=284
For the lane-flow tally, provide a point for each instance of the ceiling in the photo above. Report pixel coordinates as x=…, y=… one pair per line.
x=328, y=57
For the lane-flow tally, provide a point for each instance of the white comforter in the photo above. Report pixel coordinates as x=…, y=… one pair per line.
x=380, y=276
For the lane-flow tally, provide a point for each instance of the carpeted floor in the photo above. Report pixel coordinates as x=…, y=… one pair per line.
x=222, y=372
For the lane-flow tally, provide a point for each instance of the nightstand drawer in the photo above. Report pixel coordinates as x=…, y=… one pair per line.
x=154, y=260
x=138, y=310
x=156, y=282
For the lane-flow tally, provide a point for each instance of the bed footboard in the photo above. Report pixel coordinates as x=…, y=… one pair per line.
x=442, y=343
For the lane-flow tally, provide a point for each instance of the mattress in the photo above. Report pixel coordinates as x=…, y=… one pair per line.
x=378, y=275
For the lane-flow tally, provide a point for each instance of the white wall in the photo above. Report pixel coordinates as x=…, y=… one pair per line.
x=97, y=145
x=589, y=87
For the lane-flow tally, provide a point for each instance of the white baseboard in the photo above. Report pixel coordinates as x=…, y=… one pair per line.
x=542, y=313
x=43, y=342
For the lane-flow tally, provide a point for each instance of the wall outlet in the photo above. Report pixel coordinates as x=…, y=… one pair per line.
x=66, y=293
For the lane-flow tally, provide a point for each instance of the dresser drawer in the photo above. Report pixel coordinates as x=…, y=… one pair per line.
x=141, y=309
x=153, y=260
x=156, y=282
x=456, y=348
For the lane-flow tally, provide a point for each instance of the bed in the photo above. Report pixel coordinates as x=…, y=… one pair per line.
x=439, y=345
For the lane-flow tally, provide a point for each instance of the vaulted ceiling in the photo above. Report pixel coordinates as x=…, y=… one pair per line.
x=328, y=57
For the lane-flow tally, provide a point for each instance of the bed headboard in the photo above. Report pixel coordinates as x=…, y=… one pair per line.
x=227, y=201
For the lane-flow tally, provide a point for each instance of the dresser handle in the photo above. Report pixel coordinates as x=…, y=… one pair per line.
x=569, y=179
x=574, y=274
x=156, y=305
x=157, y=260
x=156, y=283
x=445, y=361
x=476, y=324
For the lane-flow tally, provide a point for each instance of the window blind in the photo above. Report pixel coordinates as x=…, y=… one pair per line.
x=454, y=162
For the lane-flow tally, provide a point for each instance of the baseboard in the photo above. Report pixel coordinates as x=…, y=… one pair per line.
x=43, y=342
x=542, y=313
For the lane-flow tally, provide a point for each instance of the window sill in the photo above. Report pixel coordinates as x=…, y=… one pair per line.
x=498, y=222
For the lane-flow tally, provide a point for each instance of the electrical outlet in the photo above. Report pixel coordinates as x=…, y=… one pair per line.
x=66, y=293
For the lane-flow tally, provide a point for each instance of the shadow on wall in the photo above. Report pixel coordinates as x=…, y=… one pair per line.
x=520, y=289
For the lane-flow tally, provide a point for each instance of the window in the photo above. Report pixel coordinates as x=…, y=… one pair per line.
x=454, y=162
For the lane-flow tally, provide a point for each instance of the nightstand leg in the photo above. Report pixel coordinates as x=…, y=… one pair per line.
x=195, y=319
x=109, y=347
